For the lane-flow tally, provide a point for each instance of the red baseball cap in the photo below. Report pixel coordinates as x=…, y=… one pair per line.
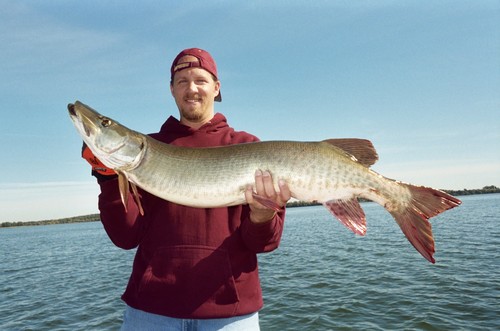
x=205, y=61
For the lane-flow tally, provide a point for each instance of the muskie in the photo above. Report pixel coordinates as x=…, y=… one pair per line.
x=334, y=172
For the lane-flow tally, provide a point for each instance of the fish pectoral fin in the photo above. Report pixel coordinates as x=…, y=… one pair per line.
x=137, y=198
x=267, y=202
x=123, y=185
x=349, y=213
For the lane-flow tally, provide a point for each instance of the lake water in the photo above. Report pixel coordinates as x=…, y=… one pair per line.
x=70, y=277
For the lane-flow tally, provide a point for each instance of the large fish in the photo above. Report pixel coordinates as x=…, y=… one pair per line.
x=333, y=172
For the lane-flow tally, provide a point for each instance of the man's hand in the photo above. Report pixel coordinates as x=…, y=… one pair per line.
x=97, y=166
x=261, y=212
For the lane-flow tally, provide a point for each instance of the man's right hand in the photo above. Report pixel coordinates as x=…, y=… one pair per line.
x=99, y=170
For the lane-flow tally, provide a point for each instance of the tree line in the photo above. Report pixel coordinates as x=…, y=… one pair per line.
x=76, y=219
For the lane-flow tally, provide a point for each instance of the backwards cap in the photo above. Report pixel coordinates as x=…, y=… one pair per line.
x=205, y=61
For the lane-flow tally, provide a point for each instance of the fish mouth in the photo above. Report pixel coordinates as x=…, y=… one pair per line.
x=82, y=123
x=71, y=109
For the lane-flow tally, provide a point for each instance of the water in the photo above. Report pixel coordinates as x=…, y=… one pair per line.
x=70, y=277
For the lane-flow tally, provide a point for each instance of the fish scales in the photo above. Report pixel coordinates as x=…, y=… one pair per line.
x=213, y=177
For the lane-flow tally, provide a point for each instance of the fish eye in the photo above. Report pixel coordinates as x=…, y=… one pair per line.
x=105, y=122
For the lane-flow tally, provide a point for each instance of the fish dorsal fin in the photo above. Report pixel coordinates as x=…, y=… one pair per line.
x=361, y=149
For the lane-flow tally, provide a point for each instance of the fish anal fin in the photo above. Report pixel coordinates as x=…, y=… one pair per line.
x=267, y=202
x=361, y=149
x=349, y=213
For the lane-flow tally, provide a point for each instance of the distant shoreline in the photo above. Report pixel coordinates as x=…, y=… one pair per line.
x=96, y=218
x=76, y=219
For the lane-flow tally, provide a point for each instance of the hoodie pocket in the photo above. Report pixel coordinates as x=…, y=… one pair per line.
x=190, y=278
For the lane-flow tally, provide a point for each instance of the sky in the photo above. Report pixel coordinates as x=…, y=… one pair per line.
x=420, y=79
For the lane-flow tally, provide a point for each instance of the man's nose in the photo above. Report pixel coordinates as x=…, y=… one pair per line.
x=192, y=86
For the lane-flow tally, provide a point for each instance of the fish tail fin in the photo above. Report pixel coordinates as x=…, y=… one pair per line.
x=413, y=217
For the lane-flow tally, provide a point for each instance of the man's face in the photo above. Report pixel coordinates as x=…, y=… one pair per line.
x=194, y=90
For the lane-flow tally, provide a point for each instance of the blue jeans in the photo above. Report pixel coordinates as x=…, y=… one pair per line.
x=137, y=320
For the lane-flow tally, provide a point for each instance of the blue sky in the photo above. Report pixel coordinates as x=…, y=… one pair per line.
x=420, y=79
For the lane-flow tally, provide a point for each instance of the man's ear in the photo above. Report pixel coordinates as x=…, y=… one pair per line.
x=217, y=87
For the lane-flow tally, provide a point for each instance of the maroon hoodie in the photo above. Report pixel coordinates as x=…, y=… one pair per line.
x=190, y=262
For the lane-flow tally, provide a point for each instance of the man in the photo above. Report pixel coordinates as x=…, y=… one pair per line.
x=195, y=269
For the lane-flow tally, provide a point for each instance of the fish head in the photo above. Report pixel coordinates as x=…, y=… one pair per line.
x=115, y=145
